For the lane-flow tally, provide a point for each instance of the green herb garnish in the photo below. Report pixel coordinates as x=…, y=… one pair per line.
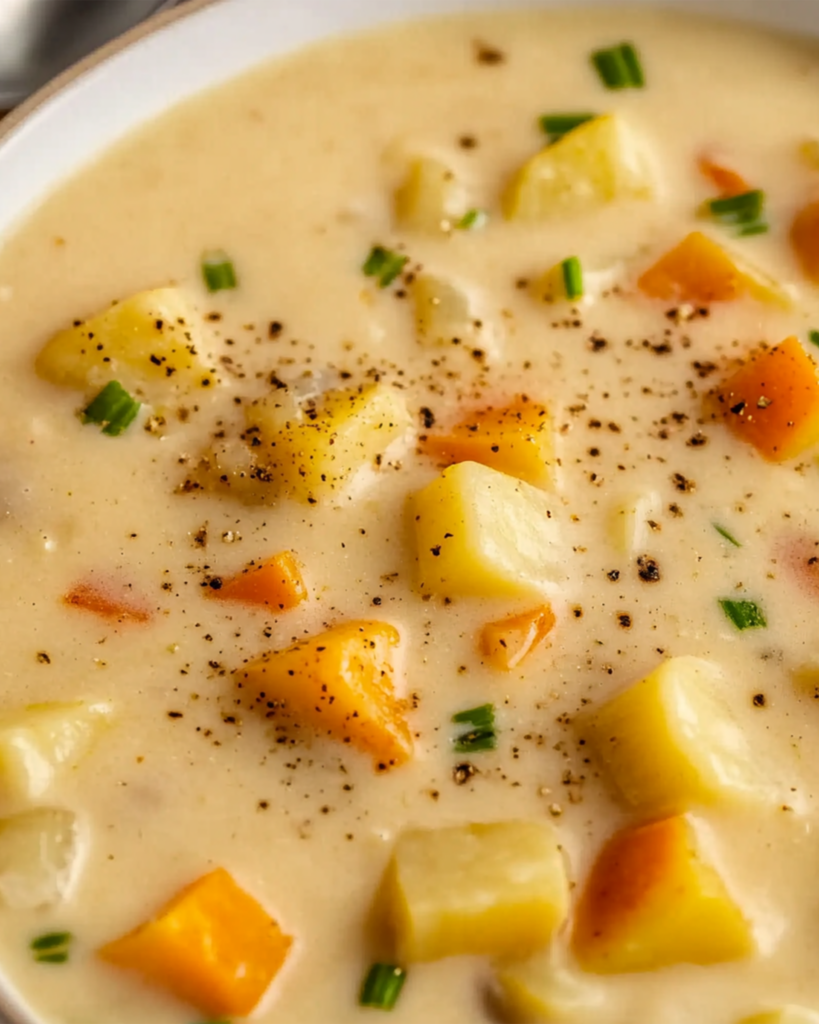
x=475, y=741
x=51, y=948
x=744, y=212
x=482, y=717
x=743, y=614
x=472, y=220
x=382, y=986
x=384, y=264
x=218, y=271
x=113, y=409
x=557, y=125
x=619, y=67
x=572, y=277
x=813, y=337
x=728, y=536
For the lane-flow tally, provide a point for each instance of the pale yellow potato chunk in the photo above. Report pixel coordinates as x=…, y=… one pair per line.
x=671, y=741
x=634, y=521
x=784, y=1015
x=481, y=532
x=38, y=742
x=151, y=339
x=39, y=852
x=539, y=990
x=495, y=889
x=594, y=164
x=443, y=315
x=431, y=199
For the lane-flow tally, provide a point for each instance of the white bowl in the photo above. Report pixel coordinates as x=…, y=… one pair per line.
x=174, y=56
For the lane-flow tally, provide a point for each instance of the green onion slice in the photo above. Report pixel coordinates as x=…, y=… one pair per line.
x=384, y=264
x=631, y=59
x=51, y=940
x=475, y=741
x=727, y=535
x=382, y=986
x=619, y=67
x=813, y=337
x=472, y=220
x=572, y=277
x=482, y=717
x=743, y=614
x=558, y=125
x=113, y=409
x=52, y=958
x=742, y=209
x=218, y=271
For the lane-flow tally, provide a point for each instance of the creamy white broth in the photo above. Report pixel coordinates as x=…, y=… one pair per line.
x=294, y=179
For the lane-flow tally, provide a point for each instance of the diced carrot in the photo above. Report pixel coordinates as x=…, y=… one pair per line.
x=276, y=582
x=727, y=182
x=340, y=683
x=515, y=439
x=697, y=270
x=506, y=643
x=94, y=598
x=212, y=946
x=805, y=239
x=772, y=402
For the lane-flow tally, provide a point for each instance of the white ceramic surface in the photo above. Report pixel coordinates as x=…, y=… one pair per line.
x=174, y=56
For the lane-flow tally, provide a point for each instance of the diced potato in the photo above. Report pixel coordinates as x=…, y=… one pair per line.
x=630, y=523
x=229, y=465
x=539, y=990
x=515, y=439
x=772, y=401
x=785, y=1015
x=316, y=455
x=431, y=198
x=479, y=532
x=444, y=315
x=213, y=946
x=592, y=165
x=652, y=900
x=150, y=339
x=805, y=678
x=340, y=683
x=497, y=889
x=39, y=855
x=671, y=741
x=507, y=643
x=42, y=740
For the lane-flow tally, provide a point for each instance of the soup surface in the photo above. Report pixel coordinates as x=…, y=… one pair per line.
x=670, y=510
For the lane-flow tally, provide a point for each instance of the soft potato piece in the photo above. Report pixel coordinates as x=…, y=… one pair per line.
x=340, y=683
x=652, y=900
x=505, y=644
x=39, y=855
x=151, y=339
x=630, y=522
x=594, y=164
x=539, y=990
x=431, y=199
x=42, y=740
x=444, y=315
x=785, y=1015
x=671, y=741
x=479, y=532
x=772, y=401
x=498, y=889
x=515, y=439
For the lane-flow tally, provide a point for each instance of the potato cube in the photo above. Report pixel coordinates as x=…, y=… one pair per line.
x=540, y=990
x=785, y=1015
x=39, y=855
x=42, y=740
x=444, y=315
x=592, y=165
x=479, y=532
x=431, y=198
x=151, y=339
x=339, y=683
x=671, y=741
x=653, y=900
x=496, y=889
x=633, y=522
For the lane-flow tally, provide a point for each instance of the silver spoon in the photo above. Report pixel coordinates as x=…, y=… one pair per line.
x=40, y=38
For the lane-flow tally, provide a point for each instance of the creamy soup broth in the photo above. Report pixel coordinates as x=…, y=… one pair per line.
x=292, y=170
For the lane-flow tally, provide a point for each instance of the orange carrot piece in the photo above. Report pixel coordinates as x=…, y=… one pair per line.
x=93, y=598
x=515, y=439
x=276, y=582
x=727, y=182
x=212, y=946
x=697, y=271
x=772, y=402
x=805, y=240
x=800, y=557
x=506, y=643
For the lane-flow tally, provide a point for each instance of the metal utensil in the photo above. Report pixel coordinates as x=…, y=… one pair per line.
x=40, y=38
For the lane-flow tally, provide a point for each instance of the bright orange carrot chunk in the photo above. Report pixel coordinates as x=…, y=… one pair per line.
x=805, y=240
x=92, y=597
x=276, y=582
x=339, y=683
x=515, y=439
x=727, y=182
x=652, y=900
x=772, y=402
x=212, y=946
x=697, y=270
x=506, y=643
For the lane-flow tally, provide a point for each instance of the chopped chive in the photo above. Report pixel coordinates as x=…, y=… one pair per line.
x=760, y=228
x=382, y=986
x=51, y=958
x=384, y=264
x=113, y=409
x=631, y=59
x=728, y=536
x=742, y=209
x=482, y=717
x=813, y=337
x=472, y=220
x=572, y=277
x=558, y=125
x=475, y=741
x=50, y=941
x=743, y=614
x=218, y=271
x=619, y=67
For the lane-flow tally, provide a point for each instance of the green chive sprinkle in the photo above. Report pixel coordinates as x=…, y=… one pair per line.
x=572, y=277
x=475, y=741
x=472, y=220
x=744, y=212
x=813, y=337
x=727, y=535
x=619, y=67
x=51, y=958
x=113, y=409
x=384, y=264
x=760, y=228
x=218, y=271
x=482, y=717
x=743, y=614
x=558, y=125
x=382, y=986
x=50, y=941
x=631, y=59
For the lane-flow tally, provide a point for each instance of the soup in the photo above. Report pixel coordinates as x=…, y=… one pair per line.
x=411, y=518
